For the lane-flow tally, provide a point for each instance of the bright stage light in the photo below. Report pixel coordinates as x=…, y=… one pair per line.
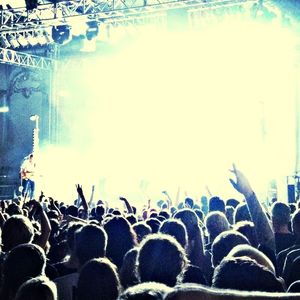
x=178, y=109
x=4, y=109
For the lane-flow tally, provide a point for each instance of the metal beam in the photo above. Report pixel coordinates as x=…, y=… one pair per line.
x=8, y=56
x=48, y=15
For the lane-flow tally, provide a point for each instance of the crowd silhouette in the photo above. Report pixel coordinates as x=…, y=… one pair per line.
x=211, y=249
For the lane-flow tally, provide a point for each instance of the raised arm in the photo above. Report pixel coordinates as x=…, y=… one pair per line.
x=83, y=200
x=45, y=224
x=92, y=196
x=128, y=206
x=264, y=231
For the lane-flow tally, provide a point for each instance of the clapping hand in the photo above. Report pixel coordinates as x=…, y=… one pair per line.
x=242, y=184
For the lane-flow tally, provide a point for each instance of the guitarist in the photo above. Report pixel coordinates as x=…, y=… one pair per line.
x=27, y=176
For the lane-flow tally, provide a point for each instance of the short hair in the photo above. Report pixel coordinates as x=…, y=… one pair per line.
x=154, y=224
x=98, y=280
x=158, y=248
x=22, y=263
x=242, y=213
x=14, y=209
x=245, y=274
x=90, y=242
x=164, y=214
x=296, y=222
x=37, y=288
x=247, y=228
x=176, y=229
x=281, y=213
x=141, y=229
x=72, y=210
x=100, y=210
x=146, y=291
x=224, y=242
x=132, y=219
x=232, y=202
x=194, y=274
x=253, y=253
x=16, y=230
x=215, y=223
x=216, y=204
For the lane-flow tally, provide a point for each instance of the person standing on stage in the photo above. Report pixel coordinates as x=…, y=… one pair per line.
x=27, y=176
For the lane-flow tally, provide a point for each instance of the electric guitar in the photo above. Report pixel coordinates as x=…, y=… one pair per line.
x=27, y=175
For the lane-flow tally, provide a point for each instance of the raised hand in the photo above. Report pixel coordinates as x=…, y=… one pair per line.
x=242, y=184
x=79, y=190
x=122, y=198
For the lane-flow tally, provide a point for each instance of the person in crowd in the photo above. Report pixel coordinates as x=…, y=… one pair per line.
x=281, y=257
x=253, y=253
x=176, y=229
x=247, y=229
x=128, y=271
x=90, y=242
x=161, y=259
x=215, y=223
x=37, y=288
x=141, y=230
x=195, y=249
x=70, y=264
x=121, y=238
x=245, y=274
x=216, y=204
x=98, y=280
x=23, y=262
x=223, y=244
x=241, y=213
x=16, y=230
x=146, y=291
x=281, y=216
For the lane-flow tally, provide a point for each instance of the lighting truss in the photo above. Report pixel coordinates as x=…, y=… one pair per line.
x=62, y=13
x=8, y=56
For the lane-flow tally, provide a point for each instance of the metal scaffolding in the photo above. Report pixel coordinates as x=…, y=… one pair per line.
x=8, y=56
x=61, y=13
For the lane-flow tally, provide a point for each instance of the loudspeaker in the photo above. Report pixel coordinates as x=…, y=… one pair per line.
x=291, y=193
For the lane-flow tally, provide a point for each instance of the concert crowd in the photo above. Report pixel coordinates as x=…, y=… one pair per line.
x=208, y=248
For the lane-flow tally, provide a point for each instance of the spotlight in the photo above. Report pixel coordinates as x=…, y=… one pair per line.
x=4, y=42
x=4, y=109
x=41, y=39
x=92, y=30
x=34, y=118
x=13, y=42
x=32, y=40
x=61, y=34
x=22, y=40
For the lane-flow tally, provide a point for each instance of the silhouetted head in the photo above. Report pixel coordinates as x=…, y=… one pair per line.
x=223, y=244
x=98, y=280
x=245, y=274
x=90, y=242
x=36, y=289
x=161, y=259
x=22, y=263
x=16, y=230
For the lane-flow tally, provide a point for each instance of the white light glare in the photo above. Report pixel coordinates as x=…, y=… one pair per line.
x=4, y=109
x=178, y=109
